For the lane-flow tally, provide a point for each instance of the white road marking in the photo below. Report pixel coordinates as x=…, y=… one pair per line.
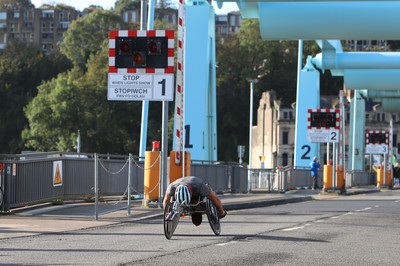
x=227, y=243
x=293, y=228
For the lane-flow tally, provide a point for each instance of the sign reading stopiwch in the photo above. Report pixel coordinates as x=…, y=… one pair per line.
x=139, y=87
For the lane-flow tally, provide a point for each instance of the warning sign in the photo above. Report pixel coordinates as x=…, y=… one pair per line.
x=57, y=173
x=139, y=87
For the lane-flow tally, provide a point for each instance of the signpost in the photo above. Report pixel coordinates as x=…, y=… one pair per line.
x=376, y=142
x=141, y=68
x=323, y=125
x=139, y=87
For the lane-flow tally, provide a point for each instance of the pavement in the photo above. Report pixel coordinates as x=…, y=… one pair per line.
x=72, y=216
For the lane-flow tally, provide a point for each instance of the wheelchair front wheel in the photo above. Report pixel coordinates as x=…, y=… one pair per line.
x=213, y=218
x=171, y=220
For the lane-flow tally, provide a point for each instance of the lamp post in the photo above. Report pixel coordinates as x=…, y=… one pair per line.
x=252, y=82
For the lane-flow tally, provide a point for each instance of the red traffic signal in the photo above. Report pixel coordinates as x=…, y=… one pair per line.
x=153, y=47
x=141, y=52
x=323, y=119
x=139, y=59
x=124, y=47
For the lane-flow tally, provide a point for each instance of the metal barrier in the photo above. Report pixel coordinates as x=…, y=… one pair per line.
x=265, y=180
x=29, y=179
x=360, y=178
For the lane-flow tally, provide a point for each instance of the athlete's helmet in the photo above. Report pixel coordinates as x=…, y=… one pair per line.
x=182, y=195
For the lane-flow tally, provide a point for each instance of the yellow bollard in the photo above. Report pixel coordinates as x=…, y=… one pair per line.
x=175, y=170
x=340, y=179
x=328, y=169
x=151, y=176
x=380, y=180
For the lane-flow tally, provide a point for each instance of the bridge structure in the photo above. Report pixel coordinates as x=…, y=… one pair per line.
x=372, y=75
x=369, y=74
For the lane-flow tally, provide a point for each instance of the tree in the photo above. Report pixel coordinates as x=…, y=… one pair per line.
x=60, y=98
x=92, y=8
x=22, y=69
x=121, y=5
x=77, y=100
x=15, y=4
x=84, y=35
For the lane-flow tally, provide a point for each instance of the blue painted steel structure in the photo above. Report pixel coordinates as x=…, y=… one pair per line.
x=327, y=20
x=200, y=115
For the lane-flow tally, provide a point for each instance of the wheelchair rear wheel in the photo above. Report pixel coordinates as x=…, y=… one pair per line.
x=171, y=220
x=213, y=218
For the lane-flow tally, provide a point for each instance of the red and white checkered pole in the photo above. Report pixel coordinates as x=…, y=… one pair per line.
x=179, y=95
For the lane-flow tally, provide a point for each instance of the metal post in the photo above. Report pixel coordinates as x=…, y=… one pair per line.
x=96, y=187
x=327, y=152
x=384, y=170
x=390, y=150
x=129, y=183
x=164, y=151
x=334, y=172
x=78, y=142
x=252, y=81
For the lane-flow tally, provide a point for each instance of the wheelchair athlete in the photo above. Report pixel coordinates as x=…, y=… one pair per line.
x=184, y=188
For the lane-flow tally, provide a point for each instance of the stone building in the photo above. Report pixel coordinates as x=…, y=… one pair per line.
x=273, y=135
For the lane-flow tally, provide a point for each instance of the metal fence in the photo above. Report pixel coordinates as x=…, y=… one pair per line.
x=30, y=179
x=266, y=180
x=27, y=181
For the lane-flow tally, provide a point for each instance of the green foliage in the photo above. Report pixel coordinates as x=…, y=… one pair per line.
x=121, y=5
x=77, y=100
x=22, y=69
x=84, y=35
x=15, y=4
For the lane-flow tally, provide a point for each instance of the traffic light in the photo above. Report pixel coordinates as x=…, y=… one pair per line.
x=154, y=47
x=141, y=52
x=323, y=119
x=377, y=138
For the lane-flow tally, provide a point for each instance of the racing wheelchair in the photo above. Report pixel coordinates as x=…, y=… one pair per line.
x=173, y=211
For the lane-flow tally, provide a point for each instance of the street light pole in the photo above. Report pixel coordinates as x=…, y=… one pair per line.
x=252, y=82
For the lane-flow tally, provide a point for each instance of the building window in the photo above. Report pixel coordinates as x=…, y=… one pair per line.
x=378, y=117
x=394, y=118
x=366, y=116
x=394, y=140
x=285, y=137
x=383, y=117
x=232, y=21
x=291, y=115
x=285, y=115
x=284, y=159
